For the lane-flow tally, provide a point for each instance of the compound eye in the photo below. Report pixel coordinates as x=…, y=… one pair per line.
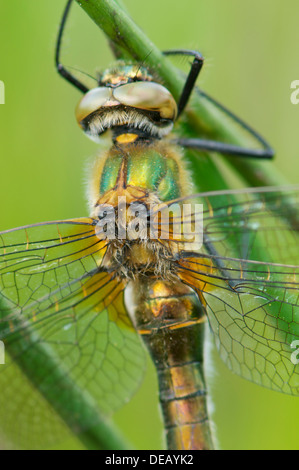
x=92, y=101
x=148, y=96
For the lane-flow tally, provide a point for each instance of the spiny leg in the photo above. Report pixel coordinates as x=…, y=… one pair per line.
x=266, y=152
x=225, y=149
x=192, y=76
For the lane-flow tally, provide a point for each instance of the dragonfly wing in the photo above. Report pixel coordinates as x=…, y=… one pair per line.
x=247, y=274
x=64, y=324
x=257, y=343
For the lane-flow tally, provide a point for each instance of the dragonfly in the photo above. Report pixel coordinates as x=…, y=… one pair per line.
x=153, y=265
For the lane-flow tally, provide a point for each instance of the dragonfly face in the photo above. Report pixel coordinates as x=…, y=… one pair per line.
x=130, y=100
x=74, y=292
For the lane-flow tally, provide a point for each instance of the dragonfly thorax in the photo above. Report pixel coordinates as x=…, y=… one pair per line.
x=136, y=237
x=139, y=259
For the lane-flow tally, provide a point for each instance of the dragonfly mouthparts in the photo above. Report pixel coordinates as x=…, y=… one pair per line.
x=147, y=122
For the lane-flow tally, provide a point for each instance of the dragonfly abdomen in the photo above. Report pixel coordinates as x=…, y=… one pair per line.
x=183, y=402
x=171, y=321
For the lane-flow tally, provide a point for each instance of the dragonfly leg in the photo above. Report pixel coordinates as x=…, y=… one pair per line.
x=217, y=261
x=60, y=68
x=200, y=144
x=226, y=149
x=232, y=283
x=238, y=121
x=192, y=76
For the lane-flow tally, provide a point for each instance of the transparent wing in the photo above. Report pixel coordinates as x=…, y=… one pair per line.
x=65, y=329
x=247, y=274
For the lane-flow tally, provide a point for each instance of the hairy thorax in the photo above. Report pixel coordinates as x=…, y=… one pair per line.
x=140, y=259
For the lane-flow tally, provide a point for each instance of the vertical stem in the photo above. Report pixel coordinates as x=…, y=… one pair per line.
x=205, y=119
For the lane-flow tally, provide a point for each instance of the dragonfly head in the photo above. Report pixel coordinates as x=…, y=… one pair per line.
x=127, y=97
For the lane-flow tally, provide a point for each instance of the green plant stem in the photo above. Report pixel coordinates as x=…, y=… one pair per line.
x=72, y=404
x=205, y=119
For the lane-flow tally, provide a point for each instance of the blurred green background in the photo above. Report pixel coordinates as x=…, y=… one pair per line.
x=251, y=51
